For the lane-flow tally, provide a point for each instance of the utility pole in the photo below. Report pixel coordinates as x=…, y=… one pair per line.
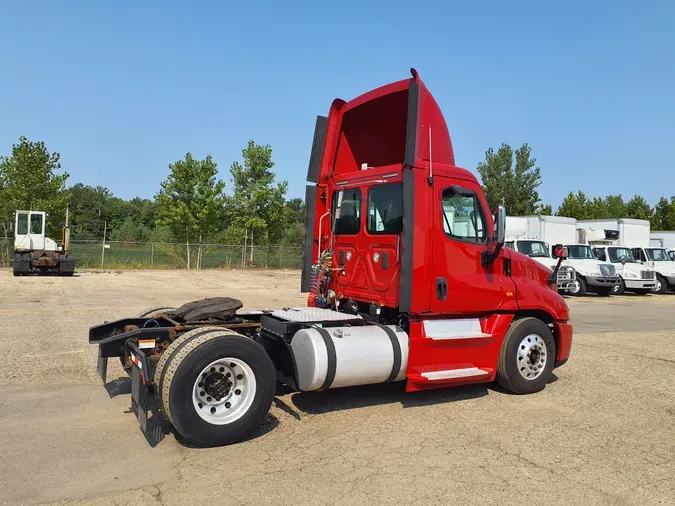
x=105, y=229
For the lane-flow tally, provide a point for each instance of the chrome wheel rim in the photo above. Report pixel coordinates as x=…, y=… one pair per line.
x=657, y=287
x=532, y=357
x=224, y=391
x=574, y=287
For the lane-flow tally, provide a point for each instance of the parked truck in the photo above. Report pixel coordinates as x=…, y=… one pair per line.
x=517, y=238
x=663, y=239
x=406, y=276
x=34, y=252
x=591, y=275
x=659, y=260
x=611, y=241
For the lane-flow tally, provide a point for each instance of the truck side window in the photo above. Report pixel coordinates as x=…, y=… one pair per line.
x=350, y=214
x=22, y=225
x=385, y=209
x=600, y=254
x=463, y=217
x=36, y=224
x=510, y=244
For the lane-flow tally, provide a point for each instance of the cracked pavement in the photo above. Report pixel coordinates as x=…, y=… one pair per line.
x=602, y=432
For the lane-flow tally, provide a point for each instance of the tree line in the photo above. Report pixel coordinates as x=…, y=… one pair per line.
x=512, y=179
x=190, y=207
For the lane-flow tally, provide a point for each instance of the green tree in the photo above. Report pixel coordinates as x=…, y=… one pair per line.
x=664, y=214
x=546, y=210
x=575, y=205
x=88, y=211
x=257, y=204
x=191, y=200
x=638, y=208
x=28, y=180
x=616, y=207
x=514, y=186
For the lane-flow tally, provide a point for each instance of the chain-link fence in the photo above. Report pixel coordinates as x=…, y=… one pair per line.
x=149, y=255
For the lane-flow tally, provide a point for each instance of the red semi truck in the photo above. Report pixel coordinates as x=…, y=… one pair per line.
x=407, y=281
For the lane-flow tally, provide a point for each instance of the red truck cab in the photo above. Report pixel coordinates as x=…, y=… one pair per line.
x=409, y=238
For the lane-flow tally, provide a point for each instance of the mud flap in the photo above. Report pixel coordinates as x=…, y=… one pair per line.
x=139, y=387
x=102, y=364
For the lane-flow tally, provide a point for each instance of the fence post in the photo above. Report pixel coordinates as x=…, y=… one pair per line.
x=243, y=256
x=152, y=255
x=281, y=250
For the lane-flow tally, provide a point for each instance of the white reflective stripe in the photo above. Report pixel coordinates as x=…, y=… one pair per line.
x=136, y=361
x=454, y=373
x=460, y=328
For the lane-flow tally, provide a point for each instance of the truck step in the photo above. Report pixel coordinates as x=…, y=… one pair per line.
x=449, y=330
x=454, y=373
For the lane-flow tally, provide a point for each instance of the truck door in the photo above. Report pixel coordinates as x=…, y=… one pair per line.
x=21, y=236
x=37, y=231
x=461, y=284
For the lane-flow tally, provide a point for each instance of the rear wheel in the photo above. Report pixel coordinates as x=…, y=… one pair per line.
x=578, y=287
x=216, y=387
x=527, y=357
x=642, y=291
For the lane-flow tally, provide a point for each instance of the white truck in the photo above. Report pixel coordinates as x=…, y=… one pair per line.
x=517, y=239
x=34, y=252
x=659, y=260
x=611, y=240
x=591, y=275
x=663, y=239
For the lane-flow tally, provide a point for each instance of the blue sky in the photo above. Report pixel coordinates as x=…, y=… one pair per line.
x=122, y=89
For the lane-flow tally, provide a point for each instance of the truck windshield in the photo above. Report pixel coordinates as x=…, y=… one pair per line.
x=581, y=253
x=533, y=248
x=618, y=255
x=657, y=255
x=36, y=224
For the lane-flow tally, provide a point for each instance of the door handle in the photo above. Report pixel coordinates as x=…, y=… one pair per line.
x=441, y=288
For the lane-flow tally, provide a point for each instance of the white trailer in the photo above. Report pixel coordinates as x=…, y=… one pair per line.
x=617, y=232
x=591, y=275
x=611, y=240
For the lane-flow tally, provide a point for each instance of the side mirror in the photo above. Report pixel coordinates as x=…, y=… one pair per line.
x=498, y=238
x=560, y=251
x=500, y=225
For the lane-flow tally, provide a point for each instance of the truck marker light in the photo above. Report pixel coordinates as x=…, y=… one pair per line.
x=376, y=257
x=146, y=343
x=509, y=294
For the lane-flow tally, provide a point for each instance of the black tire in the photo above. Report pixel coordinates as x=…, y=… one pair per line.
x=661, y=285
x=182, y=369
x=509, y=366
x=582, y=288
x=604, y=292
x=619, y=289
x=642, y=291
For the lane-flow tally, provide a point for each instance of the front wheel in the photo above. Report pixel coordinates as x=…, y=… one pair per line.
x=217, y=387
x=619, y=289
x=527, y=357
x=577, y=287
x=661, y=285
x=605, y=292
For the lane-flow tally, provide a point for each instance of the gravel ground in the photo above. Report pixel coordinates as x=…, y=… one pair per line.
x=603, y=432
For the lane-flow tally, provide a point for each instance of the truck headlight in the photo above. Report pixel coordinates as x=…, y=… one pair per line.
x=630, y=275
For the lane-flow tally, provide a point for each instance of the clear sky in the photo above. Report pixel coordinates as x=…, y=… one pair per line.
x=123, y=88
